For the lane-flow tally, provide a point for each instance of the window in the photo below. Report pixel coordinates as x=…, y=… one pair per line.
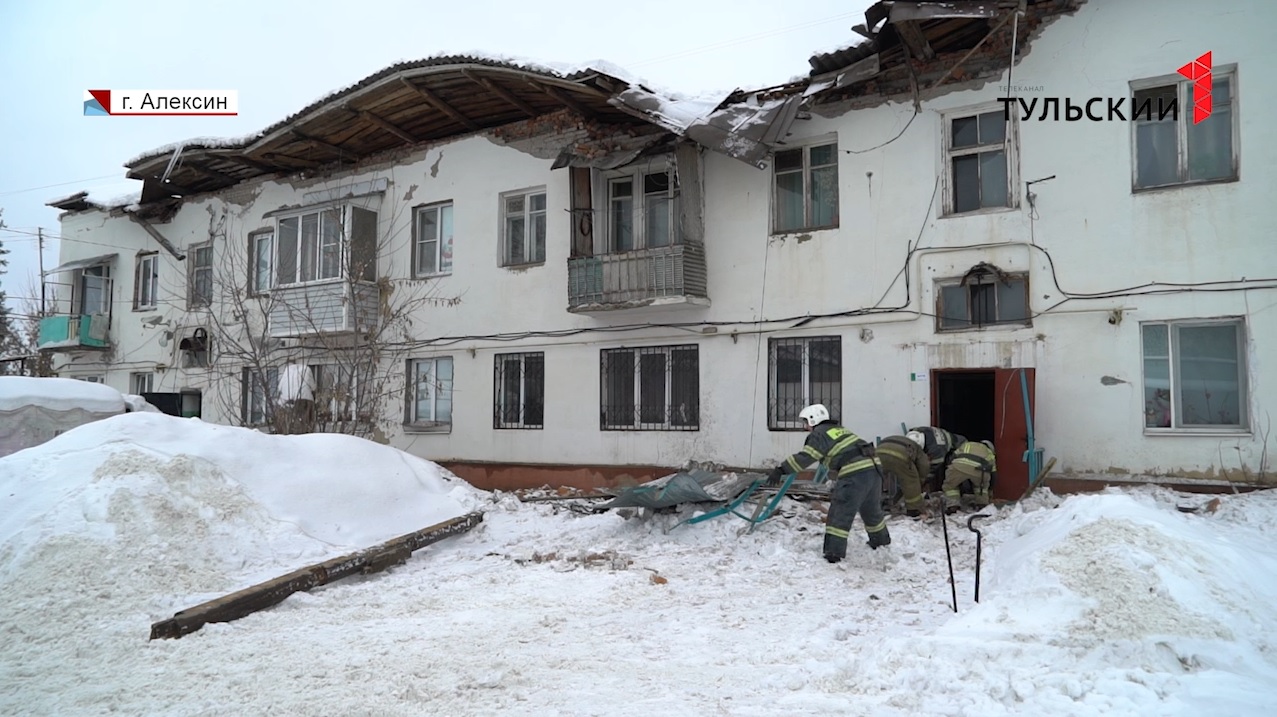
x=806, y=187
x=261, y=252
x=310, y=246
x=432, y=248
x=1171, y=150
x=95, y=290
x=201, y=290
x=643, y=211
x=343, y=392
x=523, y=228
x=802, y=372
x=195, y=349
x=430, y=400
x=651, y=389
x=978, y=154
x=140, y=383
x=519, y=391
x=982, y=300
x=259, y=394
x=335, y=242
x=146, y=282
x=91, y=379
x=1195, y=375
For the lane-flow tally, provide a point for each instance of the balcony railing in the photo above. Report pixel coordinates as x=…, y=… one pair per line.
x=337, y=307
x=637, y=278
x=74, y=331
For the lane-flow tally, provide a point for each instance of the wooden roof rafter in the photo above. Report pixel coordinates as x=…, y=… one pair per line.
x=439, y=104
x=559, y=97
x=501, y=92
x=382, y=123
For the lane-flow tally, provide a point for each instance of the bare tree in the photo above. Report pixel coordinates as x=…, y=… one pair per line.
x=351, y=336
x=12, y=343
x=41, y=363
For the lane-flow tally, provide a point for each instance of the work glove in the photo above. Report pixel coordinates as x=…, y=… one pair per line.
x=775, y=477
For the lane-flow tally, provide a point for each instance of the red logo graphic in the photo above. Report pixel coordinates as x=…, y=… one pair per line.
x=1199, y=72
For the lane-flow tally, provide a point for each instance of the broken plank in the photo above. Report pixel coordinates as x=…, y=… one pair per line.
x=583, y=496
x=272, y=592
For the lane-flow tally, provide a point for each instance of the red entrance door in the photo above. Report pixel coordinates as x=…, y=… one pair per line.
x=1011, y=431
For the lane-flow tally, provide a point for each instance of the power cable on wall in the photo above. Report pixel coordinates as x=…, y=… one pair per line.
x=758, y=346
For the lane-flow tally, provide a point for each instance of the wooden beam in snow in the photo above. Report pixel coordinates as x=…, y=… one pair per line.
x=272, y=592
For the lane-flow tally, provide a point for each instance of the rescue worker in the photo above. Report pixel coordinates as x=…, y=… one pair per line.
x=857, y=480
x=972, y=461
x=903, y=457
x=939, y=445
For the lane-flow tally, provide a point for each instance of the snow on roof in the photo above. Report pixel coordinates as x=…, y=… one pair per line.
x=200, y=142
x=100, y=199
x=553, y=69
x=58, y=394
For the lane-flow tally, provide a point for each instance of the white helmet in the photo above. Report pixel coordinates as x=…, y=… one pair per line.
x=917, y=437
x=814, y=414
x=989, y=444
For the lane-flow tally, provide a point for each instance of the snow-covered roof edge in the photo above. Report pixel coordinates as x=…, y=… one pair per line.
x=88, y=200
x=562, y=71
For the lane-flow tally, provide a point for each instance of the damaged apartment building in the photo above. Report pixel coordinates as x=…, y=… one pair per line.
x=535, y=277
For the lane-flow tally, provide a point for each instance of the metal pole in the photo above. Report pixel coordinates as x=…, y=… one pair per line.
x=944, y=524
x=978, y=540
x=40, y=236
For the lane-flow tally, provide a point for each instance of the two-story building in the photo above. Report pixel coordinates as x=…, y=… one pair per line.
x=1021, y=221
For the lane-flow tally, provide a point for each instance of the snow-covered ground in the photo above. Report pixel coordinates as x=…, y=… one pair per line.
x=1105, y=604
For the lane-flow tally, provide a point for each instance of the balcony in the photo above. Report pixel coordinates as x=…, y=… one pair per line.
x=324, y=309
x=664, y=277
x=74, y=331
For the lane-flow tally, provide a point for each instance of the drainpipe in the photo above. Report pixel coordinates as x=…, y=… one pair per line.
x=158, y=236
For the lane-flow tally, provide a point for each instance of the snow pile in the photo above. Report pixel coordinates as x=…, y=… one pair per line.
x=169, y=493
x=1113, y=604
x=58, y=394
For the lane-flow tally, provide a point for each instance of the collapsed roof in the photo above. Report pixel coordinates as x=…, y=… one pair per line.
x=594, y=117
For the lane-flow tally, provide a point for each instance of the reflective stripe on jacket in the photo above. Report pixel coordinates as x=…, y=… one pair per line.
x=906, y=452
x=842, y=451
x=976, y=455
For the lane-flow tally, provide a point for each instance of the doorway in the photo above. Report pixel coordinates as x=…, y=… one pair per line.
x=989, y=405
x=964, y=403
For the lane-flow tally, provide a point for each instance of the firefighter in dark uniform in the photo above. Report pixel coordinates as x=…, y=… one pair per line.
x=903, y=457
x=975, y=462
x=939, y=445
x=857, y=486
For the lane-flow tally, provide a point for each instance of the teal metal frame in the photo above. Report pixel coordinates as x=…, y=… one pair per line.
x=764, y=510
x=1033, y=456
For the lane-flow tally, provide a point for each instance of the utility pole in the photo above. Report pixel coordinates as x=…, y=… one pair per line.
x=40, y=235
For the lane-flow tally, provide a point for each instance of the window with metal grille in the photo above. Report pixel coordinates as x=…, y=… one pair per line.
x=650, y=389
x=519, y=391
x=802, y=372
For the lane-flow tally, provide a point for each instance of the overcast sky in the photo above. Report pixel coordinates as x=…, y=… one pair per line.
x=283, y=54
